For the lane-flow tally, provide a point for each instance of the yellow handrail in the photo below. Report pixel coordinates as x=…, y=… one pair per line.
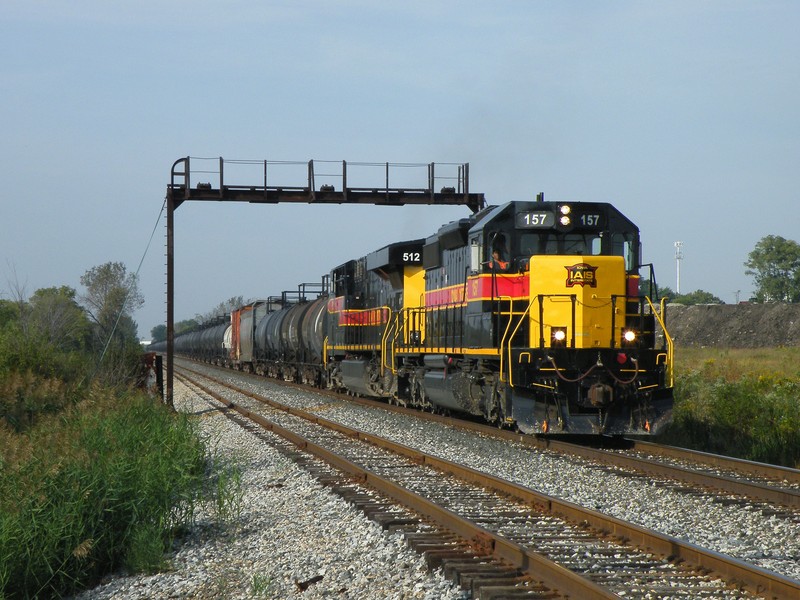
x=502, y=342
x=670, y=345
x=384, y=336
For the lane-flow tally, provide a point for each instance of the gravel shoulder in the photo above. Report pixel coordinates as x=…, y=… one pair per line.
x=291, y=530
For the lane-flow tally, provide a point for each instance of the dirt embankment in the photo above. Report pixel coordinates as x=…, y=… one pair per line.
x=735, y=325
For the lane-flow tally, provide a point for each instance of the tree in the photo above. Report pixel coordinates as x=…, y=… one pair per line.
x=697, y=297
x=158, y=333
x=774, y=264
x=222, y=308
x=56, y=316
x=112, y=294
x=186, y=325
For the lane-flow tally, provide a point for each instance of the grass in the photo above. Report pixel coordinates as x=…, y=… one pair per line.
x=104, y=485
x=731, y=364
x=260, y=585
x=738, y=402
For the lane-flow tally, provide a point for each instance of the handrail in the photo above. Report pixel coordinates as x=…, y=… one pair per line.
x=393, y=317
x=453, y=175
x=670, y=344
x=519, y=324
x=505, y=333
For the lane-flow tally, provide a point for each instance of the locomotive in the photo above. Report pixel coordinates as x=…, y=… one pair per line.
x=527, y=315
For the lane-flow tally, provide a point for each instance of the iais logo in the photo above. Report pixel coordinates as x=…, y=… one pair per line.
x=581, y=274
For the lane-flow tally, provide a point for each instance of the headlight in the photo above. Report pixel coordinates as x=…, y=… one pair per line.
x=565, y=216
x=629, y=336
x=558, y=336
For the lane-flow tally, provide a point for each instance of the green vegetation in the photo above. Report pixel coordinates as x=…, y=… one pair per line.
x=104, y=485
x=647, y=288
x=260, y=585
x=738, y=402
x=94, y=476
x=775, y=266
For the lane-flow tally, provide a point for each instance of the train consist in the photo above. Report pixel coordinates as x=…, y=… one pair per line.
x=527, y=314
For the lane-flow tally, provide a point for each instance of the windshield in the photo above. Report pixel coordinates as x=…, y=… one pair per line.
x=585, y=244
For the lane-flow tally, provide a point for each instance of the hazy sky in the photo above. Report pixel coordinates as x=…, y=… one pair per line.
x=684, y=114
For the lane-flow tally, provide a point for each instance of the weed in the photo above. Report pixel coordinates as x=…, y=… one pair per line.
x=260, y=585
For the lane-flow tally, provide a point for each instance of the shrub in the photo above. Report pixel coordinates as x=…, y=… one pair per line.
x=754, y=416
x=93, y=491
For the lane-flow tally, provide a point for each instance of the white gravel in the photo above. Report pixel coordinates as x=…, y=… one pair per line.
x=291, y=529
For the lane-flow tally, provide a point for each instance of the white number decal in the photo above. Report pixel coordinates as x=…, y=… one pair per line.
x=410, y=256
x=590, y=220
x=535, y=218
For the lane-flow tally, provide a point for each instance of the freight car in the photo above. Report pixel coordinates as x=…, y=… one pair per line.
x=527, y=315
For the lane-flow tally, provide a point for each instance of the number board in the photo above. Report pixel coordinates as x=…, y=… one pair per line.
x=407, y=254
x=590, y=220
x=535, y=219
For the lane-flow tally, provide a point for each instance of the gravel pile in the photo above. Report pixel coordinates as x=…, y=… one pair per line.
x=292, y=533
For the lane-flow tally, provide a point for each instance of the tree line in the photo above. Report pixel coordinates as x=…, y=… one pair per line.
x=57, y=340
x=774, y=264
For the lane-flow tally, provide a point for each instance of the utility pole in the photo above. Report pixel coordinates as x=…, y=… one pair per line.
x=678, y=259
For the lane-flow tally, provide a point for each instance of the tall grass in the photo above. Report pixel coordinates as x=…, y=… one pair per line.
x=743, y=403
x=102, y=486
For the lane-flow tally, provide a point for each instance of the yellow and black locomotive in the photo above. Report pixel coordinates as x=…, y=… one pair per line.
x=525, y=314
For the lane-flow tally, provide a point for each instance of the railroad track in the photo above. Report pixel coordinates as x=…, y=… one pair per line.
x=508, y=534
x=771, y=488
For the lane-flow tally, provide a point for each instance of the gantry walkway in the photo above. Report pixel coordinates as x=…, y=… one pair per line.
x=322, y=182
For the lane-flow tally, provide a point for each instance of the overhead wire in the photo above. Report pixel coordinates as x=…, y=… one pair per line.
x=127, y=295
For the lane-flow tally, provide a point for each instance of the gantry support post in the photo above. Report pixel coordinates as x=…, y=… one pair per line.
x=170, y=296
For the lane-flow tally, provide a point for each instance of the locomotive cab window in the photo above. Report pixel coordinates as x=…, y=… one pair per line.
x=587, y=244
x=624, y=245
x=499, y=258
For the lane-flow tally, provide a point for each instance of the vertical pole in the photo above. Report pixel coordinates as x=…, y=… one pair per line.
x=432, y=181
x=221, y=178
x=170, y=295
x=678, y=258
x=344, y=180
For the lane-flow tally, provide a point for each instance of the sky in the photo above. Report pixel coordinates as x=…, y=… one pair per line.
x=683, y=114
